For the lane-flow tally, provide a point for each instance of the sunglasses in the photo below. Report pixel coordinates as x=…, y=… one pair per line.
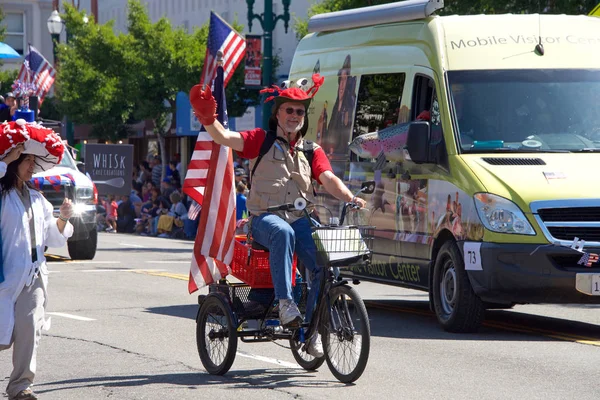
x=299, y=111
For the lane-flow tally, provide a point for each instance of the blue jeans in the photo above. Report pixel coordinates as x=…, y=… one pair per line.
x=154, y=226
x=282, y=239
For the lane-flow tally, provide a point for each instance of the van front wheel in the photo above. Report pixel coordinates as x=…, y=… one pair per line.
x=457, y=307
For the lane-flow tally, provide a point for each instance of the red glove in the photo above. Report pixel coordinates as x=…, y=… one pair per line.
x=203, y=104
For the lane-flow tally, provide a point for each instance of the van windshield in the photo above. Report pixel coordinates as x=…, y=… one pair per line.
x=67, y=160
x=526, y=110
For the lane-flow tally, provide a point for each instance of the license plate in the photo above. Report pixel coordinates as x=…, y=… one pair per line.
x=588, y=284
x=596, y=284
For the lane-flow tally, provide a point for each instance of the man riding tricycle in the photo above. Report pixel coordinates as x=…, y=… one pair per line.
x=283, y=166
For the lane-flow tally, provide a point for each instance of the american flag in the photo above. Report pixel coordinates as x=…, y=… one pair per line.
x=588, y=259
x=210, y=183
x=194, y=210
x=38, y=71
x=222, y=38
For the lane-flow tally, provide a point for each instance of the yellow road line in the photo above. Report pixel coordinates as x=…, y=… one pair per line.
x=183, y=277
x=501, y=325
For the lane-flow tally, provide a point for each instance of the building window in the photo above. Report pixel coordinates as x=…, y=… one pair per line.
x=15, y=31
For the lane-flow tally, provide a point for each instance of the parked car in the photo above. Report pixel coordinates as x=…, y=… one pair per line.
x=66, y=180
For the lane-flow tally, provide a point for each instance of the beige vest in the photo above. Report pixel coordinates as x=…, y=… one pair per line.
x=280, y=178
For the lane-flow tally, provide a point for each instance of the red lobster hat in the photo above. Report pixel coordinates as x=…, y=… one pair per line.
x=44, y=143
x=296, y=95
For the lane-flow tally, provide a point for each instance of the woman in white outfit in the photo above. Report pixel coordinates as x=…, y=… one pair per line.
x=27, y=225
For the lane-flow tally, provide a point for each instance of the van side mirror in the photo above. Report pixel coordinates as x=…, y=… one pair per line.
x=81, y=167
x=418, y=141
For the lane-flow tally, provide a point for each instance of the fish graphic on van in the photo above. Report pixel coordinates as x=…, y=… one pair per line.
x=389, y=142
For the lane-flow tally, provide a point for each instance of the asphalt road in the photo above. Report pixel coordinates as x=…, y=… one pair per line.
x=123, y=327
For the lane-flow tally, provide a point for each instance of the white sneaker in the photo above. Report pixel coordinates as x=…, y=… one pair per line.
x=315, y=346
x=289, y=313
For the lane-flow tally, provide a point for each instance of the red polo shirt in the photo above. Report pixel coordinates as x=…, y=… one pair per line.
x=254, y=139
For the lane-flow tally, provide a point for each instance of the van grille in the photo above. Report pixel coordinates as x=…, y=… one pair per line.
x=513, y=161
x=570, y=214
x=567, y=223
x=56, y=194
x=570, y=233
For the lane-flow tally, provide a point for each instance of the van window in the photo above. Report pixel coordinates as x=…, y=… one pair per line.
x=378, y=104
x=425, y=105
x=423, y=90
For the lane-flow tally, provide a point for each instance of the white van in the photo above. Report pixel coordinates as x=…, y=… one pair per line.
x=483, y=135
x=65, y=180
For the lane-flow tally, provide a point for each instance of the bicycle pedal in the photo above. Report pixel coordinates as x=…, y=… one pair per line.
x=294, y=324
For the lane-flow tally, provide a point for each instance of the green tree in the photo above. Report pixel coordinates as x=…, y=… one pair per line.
x=91, y=82
x=170, y=60
x=7, y=78
x=518, y=7
x=109, y=80
x=49, y=109
x=165, y=61
x=464, y=7
x=2, y=27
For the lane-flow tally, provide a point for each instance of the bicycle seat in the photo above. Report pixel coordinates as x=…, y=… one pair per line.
x=258, y=246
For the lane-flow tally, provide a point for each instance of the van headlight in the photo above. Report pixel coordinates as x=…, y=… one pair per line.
x=79, y=208
x=501, y=215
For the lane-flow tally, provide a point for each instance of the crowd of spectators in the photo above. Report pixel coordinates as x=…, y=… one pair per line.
x=155, y=206
x=158, y=207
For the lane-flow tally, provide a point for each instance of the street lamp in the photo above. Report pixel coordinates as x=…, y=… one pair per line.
x=55, y=27
x=55, y=23
x=268, y=20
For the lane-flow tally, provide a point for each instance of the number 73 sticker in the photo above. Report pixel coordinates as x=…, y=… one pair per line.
x=472, y=255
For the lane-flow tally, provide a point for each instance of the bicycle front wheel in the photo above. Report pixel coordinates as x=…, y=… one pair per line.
x=304, y=359
x=346, y=334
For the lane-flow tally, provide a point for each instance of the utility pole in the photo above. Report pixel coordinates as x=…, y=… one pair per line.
x=268, y=21
x=95, y=10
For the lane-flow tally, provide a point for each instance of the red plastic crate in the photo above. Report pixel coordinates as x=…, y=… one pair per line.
x=257, y=273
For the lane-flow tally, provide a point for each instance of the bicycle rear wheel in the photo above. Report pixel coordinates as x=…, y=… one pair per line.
x=346, y=334
x=216, y=336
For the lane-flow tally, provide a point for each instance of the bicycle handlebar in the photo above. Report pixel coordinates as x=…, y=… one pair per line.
x=301, y=206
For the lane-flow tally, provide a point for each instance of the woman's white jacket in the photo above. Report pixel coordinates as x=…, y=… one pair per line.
x=19, y=270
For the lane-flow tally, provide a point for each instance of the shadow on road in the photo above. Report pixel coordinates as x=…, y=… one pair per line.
x=235, y=379
x=188, y=311
x=406, y=319
x=413, y=319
